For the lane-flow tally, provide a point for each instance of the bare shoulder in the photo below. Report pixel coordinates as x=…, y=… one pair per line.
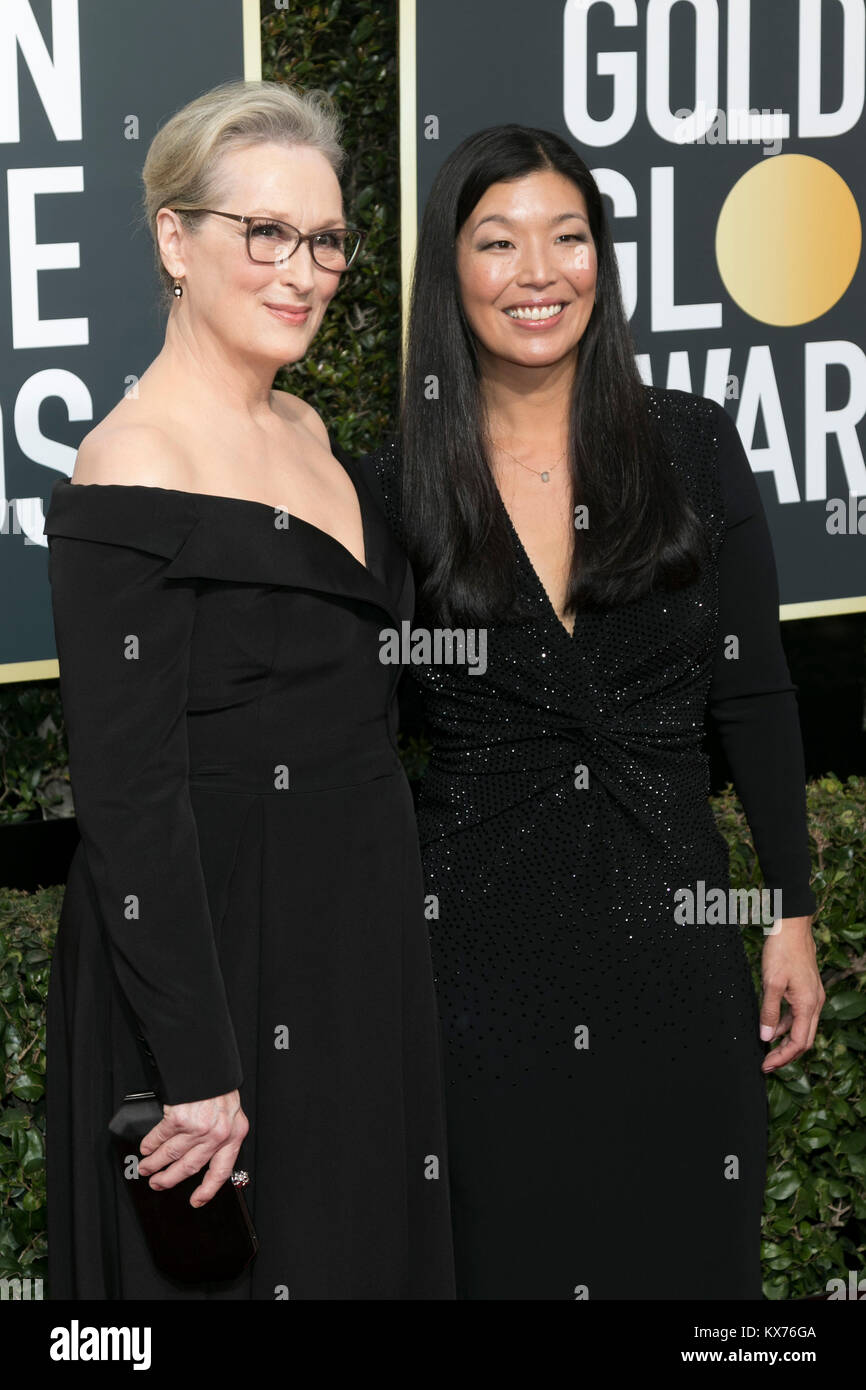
x=136, y=454
x=298, y=412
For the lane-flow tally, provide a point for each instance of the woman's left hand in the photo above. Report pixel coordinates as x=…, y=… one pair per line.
x=790, y=971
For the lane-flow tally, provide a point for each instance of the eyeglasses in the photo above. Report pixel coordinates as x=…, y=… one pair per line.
x=270, y=242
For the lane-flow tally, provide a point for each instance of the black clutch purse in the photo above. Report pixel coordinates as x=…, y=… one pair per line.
x=190, y=1244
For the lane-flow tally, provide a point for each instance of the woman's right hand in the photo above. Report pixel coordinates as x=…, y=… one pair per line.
x=191, y=1135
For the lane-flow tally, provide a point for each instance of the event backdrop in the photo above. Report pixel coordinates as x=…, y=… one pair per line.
x=728, y=138
x=84, y=86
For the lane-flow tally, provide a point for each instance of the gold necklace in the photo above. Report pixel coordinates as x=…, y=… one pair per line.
x=544, y=474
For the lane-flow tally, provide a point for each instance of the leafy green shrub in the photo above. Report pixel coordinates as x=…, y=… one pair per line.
x=815, y=1212
x=28, y=923
x=33, y=771
x=351, y=373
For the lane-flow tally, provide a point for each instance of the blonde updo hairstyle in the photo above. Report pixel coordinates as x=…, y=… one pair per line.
x=182, y=165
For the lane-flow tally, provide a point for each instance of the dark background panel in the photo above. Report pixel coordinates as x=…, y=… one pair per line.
x=140, y=59
x=498, y=61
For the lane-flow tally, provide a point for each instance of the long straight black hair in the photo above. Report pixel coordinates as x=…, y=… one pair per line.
x=642, y=529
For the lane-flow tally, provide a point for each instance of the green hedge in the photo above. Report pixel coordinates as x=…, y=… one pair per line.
x=28, y=922
x=33, y=756
x=815, y=1211
x=351, y=374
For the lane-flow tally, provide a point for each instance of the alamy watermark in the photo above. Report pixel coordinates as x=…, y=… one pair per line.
x=438, y=646
x=18, y=1290
x=716, y=906
x=706, y=125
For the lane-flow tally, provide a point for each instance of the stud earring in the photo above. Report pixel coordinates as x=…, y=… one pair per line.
x=178, y=289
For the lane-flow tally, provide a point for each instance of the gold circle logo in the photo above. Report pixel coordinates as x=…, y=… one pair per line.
x=788, y=239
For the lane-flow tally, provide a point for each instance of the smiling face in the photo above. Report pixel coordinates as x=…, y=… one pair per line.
x=270, y=311
x=526, y=265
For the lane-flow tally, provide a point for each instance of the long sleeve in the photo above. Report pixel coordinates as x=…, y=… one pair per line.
x=123, y=640
x=752, y=699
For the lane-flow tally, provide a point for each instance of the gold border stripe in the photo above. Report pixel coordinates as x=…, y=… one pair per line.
x=252, y=41
x=47, y=670
x=822, y=608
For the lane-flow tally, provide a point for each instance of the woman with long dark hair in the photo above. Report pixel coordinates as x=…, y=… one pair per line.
x=606, y=1061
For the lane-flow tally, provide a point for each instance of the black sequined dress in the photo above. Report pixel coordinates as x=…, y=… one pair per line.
x=607, y=1112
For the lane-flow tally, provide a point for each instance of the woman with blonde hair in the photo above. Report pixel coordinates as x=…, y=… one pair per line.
x=243, y=928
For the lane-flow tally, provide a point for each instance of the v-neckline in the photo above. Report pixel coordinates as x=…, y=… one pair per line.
x=569, y=636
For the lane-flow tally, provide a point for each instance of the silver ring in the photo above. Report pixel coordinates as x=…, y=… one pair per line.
x=240, y=1177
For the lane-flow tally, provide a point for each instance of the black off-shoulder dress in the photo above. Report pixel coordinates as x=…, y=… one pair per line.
x=245, y=908
x=606, y=1107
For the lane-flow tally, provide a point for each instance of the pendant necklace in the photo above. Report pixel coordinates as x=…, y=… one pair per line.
x=543, y=474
